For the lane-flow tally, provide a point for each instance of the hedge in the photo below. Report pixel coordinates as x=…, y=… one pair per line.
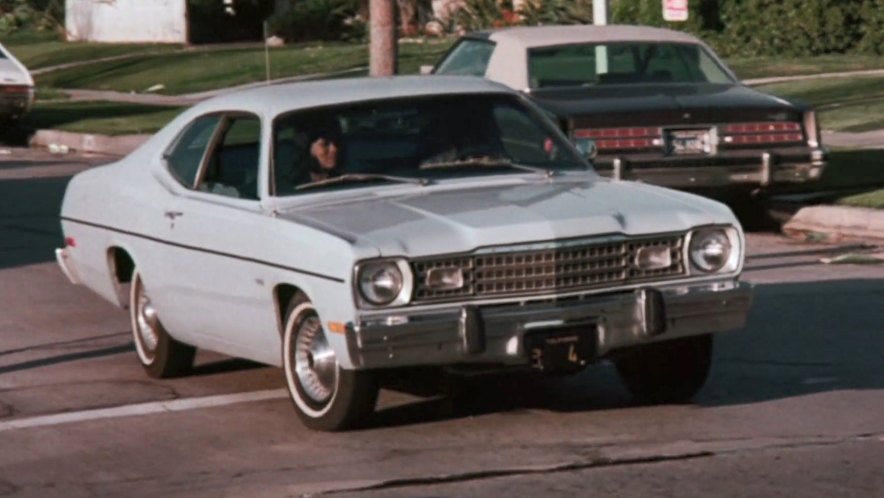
x=733, y=27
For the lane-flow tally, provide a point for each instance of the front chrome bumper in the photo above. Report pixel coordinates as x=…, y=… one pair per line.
x=494, y=334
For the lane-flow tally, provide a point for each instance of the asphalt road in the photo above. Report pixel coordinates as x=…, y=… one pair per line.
x=792, y=408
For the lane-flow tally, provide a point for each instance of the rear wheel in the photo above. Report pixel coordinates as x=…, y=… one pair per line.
x=326, y=396
x=159, y=354
x=667, y=372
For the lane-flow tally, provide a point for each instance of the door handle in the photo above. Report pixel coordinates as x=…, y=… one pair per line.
x=173, y=214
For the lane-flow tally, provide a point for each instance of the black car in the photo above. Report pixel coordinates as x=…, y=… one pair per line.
x=656, y=105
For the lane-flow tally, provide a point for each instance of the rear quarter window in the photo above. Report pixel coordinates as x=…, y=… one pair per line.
x=468, y=58
x=186, y=155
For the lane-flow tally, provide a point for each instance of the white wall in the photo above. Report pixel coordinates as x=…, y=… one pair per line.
x=117, y=21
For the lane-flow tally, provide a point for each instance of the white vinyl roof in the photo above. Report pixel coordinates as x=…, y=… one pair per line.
x=545, y=36
x=272, y=100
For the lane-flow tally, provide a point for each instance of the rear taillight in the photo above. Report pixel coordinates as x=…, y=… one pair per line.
x=760, y=133
x=15, y=89
x=622, y=138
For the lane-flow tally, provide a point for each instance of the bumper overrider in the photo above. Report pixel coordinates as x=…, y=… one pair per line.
x=498, y=333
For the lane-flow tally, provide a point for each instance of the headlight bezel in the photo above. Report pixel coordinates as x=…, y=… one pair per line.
x=362, y=271
x=734, y=260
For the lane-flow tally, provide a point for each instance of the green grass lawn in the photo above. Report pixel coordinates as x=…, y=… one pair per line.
x=109, y=118
x=873, y=199
x=764, y=67
x=45, y=49
x=188, y=72
x=845, y=104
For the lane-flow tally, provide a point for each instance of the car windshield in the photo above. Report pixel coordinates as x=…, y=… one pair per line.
x=623, y=63
x=425, y=138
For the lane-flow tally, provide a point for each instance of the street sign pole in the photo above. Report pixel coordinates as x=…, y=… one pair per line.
x=600, y=18
x=600, y=12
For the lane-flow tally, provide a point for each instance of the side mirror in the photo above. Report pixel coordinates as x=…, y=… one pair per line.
x=426, y=69
x=587, y=147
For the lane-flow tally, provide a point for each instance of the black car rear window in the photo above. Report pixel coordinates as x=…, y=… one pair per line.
x=623, y=63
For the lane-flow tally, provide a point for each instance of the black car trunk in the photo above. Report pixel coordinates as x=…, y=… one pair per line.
x=663, y=105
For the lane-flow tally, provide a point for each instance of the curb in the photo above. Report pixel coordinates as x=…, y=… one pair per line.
x=87, y=142
x=833, y=223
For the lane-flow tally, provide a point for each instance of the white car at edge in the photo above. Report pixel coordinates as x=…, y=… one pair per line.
x=16, y=87
x=343, y=228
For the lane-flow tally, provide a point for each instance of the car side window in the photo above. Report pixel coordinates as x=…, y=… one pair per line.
x=468, y=58
x=186, y=155
x=524, y=138
x=232, y=167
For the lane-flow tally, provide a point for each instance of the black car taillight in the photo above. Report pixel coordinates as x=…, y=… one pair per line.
x=760, y=133
x=622, y=138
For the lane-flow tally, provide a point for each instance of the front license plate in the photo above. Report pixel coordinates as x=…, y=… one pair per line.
x=688, y=142
x=562, y=350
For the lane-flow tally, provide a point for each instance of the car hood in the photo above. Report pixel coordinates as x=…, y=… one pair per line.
x=12, y=74
x=673, y=103
x=442, y=219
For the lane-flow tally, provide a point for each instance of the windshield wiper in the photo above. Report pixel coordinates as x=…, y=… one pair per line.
x=486, y=162
x=362, y=177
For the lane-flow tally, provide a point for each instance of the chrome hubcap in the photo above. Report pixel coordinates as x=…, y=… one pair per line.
x=147, y=323
x=315, y=361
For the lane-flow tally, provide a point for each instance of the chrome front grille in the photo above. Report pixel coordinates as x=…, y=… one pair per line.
x=572, y=267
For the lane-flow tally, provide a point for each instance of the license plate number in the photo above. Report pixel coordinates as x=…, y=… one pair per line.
x=682, y=142
x=561, y=351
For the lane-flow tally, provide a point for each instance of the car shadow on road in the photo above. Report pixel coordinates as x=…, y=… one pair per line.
x=801, y=339
x=68, y=357
x=29, y=220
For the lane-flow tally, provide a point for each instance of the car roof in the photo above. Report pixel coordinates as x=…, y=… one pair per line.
x=545, y=36
x=277, y=99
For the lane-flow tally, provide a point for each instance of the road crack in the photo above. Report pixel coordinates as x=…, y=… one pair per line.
x=683, y=450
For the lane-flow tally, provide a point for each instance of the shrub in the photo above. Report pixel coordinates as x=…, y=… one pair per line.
x=556, y=12
x=314, y=20
x=18, y=15
x=872, y=17
x=790, y=27
x=475, y=15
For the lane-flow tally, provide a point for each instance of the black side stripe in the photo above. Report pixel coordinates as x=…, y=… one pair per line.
x=203, y=250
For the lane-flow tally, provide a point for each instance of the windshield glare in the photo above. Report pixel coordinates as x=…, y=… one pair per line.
x=403, y=137
x=623, y=63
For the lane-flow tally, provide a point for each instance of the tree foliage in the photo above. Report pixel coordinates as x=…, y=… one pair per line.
x=733, y=27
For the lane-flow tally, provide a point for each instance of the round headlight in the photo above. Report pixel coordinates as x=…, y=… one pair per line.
x=380, y=283
x=710, y=250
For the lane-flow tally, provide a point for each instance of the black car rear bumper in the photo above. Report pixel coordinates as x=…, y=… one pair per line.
x=753, y=168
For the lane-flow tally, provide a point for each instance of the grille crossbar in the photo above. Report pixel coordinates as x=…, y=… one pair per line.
x=557, y=269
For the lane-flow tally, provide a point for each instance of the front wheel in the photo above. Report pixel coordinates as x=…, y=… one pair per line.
x=667, y=372
x=160, y=354
x=326, y=396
